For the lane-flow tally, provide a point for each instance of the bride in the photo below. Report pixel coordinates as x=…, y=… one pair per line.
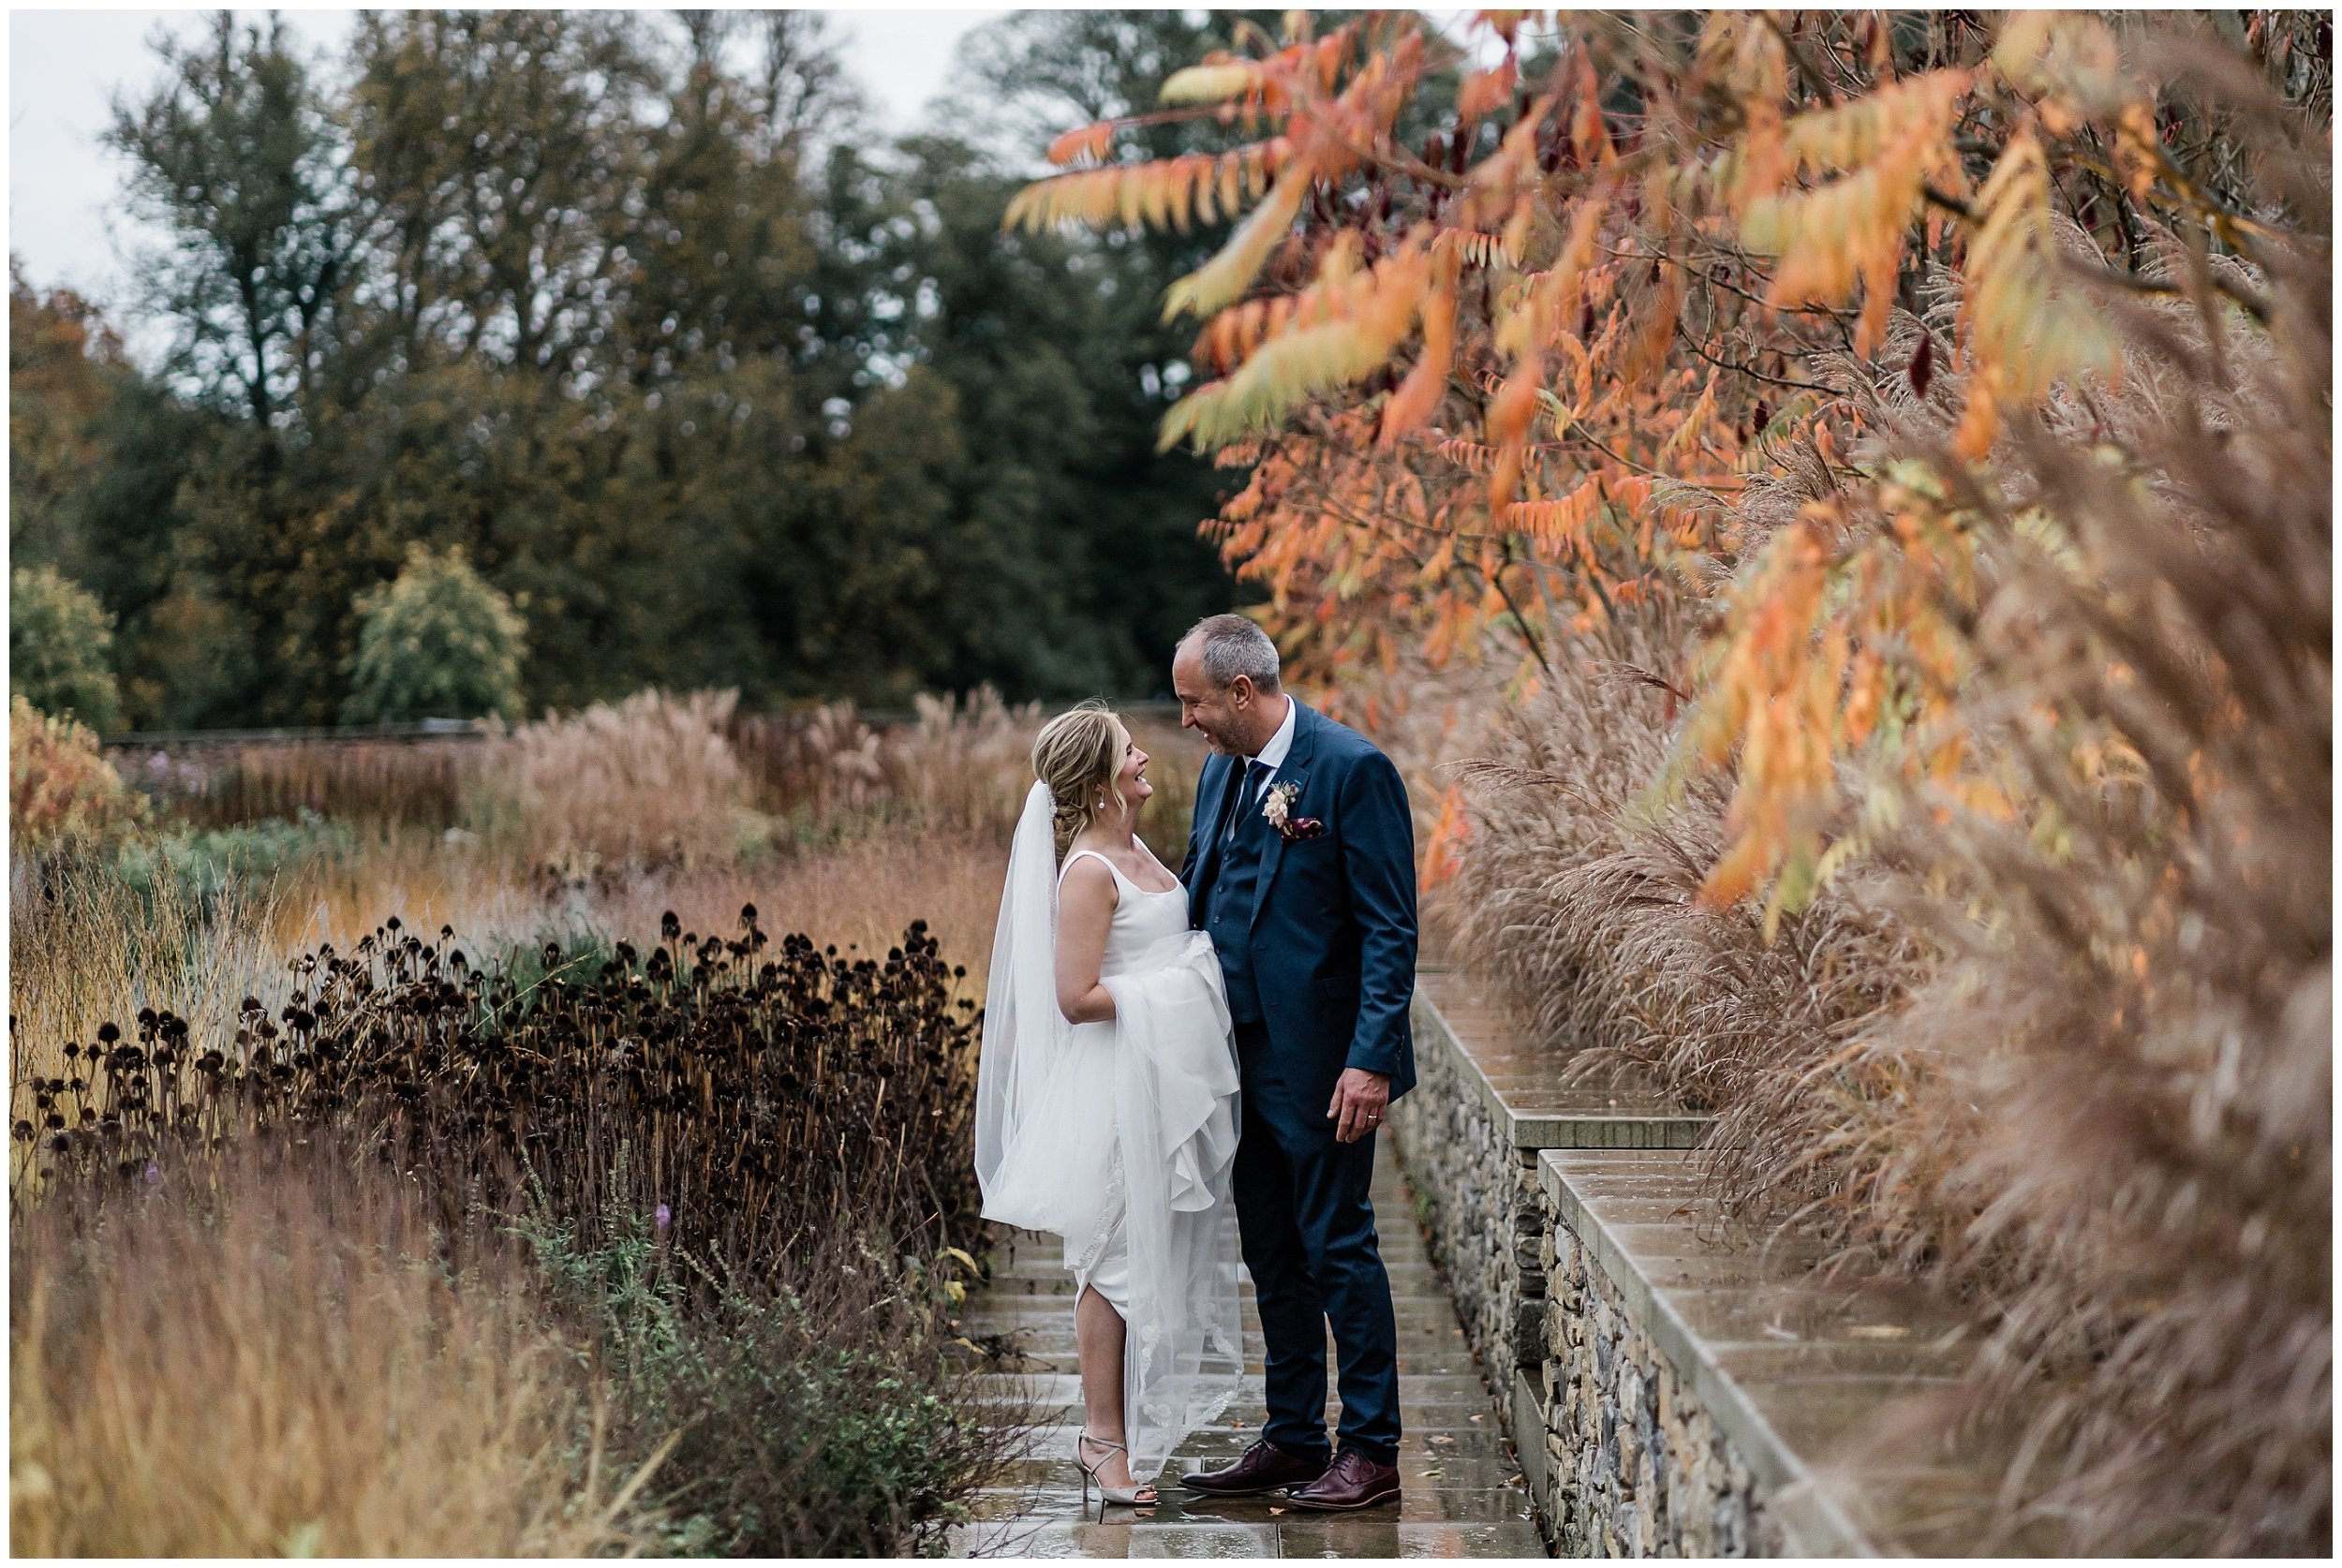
x=1105, y=1103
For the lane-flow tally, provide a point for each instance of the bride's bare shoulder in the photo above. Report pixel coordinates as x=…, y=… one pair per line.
x=1086, y=877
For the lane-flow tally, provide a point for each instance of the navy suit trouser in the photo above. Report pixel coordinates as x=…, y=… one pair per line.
x=1305, y=1207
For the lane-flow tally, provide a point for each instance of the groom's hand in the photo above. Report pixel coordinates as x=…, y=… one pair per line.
x=1359, y=1099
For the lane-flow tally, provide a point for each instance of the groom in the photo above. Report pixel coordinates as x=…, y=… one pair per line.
x=1301, y=866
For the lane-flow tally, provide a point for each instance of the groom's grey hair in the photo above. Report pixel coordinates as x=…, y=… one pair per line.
x=1232, y=646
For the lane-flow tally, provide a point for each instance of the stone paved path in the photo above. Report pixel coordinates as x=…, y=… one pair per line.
x=1463, y=1494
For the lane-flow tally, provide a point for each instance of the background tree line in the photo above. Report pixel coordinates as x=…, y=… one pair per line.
x=633, y=315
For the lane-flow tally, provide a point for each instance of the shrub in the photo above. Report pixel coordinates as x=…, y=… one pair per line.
x=816, y=1417
x=61, y=649
x=247, y=860
x=435, y=642
x=61, y=788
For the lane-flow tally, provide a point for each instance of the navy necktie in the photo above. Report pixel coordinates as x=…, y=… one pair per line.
x=1255, y=772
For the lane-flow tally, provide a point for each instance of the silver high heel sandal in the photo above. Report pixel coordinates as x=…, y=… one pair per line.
x=1125, y=1497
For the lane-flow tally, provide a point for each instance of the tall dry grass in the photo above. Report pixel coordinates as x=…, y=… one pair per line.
x=955, y=766
x=859, y=891
x=649, y=781
x=283, y=1365
x=962, y=767
x=85, y=948
x=421, y=781
x=2136, y=1035
x=1579, y=897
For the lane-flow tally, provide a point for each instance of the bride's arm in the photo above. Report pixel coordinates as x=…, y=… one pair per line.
x=1085, y=909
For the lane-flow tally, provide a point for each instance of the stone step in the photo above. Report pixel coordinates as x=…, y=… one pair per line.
x=1795, y=1368
x=1463, y=1494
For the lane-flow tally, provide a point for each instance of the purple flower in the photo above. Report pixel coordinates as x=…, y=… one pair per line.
x=153, y=1172
x=662, y=1215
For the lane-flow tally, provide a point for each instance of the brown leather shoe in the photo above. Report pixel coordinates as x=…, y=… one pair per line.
x=1264, y=1467
x=1352, y=1481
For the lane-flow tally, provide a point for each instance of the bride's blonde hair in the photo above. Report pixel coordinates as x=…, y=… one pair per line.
x=1077, y=755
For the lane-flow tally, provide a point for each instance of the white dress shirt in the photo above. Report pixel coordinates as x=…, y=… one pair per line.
x=1273, y=754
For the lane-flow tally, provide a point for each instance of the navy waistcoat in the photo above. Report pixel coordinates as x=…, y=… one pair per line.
x=1228, y=913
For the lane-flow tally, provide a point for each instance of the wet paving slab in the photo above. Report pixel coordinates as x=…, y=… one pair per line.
x=1461, y=1490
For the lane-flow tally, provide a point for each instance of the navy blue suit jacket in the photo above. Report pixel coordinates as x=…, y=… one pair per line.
x=1333, y=930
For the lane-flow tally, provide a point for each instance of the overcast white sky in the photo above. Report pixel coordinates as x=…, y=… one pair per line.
x=65, y=65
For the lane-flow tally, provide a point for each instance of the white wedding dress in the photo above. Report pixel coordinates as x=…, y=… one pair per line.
x=1120, y=1136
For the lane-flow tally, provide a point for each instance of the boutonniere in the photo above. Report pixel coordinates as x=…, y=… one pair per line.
x=1278, y=808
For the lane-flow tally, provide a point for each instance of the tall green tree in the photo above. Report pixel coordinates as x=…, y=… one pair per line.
x=634, y=313
x=235, y=159
x=98, y=454
x=1129, y=514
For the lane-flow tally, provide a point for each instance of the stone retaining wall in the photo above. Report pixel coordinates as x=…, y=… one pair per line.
x=1633, y=1466
x=1477, y=1197
x=1621, y=1449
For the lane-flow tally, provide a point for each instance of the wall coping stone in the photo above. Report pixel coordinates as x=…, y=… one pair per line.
x=1812, y=1522
x=1620, y=1110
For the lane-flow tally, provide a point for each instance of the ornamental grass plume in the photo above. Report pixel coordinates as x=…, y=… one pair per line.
x=2071, y=1059
x=960, y=765
x=821, y=765
x=959, y=769
x=651, y=781
x=966, y=763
